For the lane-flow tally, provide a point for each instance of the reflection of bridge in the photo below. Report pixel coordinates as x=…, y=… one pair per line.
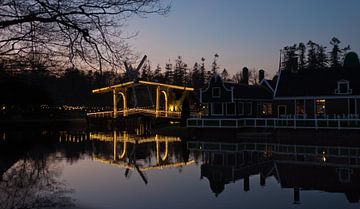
x=168, y=99
x=127, y=151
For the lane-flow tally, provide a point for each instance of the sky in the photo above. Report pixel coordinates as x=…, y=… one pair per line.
x=245, y=33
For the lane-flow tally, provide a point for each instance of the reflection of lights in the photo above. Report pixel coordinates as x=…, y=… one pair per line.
x=324, y=159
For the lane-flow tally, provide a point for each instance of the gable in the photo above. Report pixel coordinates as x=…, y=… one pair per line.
x=216, y=91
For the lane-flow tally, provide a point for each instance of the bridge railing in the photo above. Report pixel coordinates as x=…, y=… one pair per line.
x=294, y=123
x=105, y=114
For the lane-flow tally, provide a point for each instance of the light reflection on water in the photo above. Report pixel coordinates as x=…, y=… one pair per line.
x=120, y=170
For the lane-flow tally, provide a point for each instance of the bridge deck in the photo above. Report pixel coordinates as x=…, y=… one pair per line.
x=134, y=111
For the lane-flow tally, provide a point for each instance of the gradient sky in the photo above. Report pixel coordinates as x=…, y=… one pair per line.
x=244, y=32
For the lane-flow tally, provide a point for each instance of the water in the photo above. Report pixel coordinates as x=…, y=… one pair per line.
x=79, y=169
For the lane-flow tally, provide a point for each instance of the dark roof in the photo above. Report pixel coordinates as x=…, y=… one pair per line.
x=243, y=91
x=317, y=82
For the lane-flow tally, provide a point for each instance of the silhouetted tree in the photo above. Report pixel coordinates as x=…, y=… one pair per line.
x=290, y=63
x=158, y=76
x=196, y=76
x=312, y=61
x=351, y=60
x=321, y=57
x=146, y=73
x=301, y=53
x=202, y=78
x=179, y=71
x=237, y=77
x=225, y=75
x=87, y=30
x=214, y=65
x=335, y=53
x=168, y=75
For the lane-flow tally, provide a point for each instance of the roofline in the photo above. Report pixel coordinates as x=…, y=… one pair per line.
x=117, y=86
x=318, y=97
x=277, y=82
x=267, y=83
x=223, y=83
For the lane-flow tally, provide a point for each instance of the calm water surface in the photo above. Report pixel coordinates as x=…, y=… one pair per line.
x=78, y=169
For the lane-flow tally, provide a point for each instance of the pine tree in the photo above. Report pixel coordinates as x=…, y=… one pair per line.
x=301, y=53
x=195, y=76
x=168, y=75
x=146, y=73
x=321, y=57
x=214, y=65
x=179, y=72
x=312, y=61
x=290, y=62
x=202, y=73
x=158, y=77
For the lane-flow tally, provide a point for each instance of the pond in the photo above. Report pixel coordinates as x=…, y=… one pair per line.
x=117, y=169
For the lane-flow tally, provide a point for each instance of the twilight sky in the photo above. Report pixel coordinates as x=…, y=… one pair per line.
x=244, y=32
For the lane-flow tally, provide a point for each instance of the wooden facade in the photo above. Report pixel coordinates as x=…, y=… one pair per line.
x=230, y=100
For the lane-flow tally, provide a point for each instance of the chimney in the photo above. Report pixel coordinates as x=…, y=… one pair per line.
x=261, y=75
x=245, y=76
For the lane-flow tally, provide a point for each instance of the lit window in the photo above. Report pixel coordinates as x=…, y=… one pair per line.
x=216, y=92
x=300, y=109
x=267, y=109
x=320, y=106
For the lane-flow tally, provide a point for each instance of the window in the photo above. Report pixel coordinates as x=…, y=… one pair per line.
x=267, y=109
x=217, y=109
x=281, y=110
x=230, y=109
x=343, y=87
x=248, y=108
x=300, y=109
x=320, y=106
x=241, y=108
x=216, y=91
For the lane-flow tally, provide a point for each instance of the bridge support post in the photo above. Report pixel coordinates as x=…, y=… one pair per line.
x=157, y=107
x=123, y=94
x=115, y=110
x=166, y=103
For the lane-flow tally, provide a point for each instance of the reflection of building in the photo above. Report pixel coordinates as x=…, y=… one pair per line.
x=301, y=167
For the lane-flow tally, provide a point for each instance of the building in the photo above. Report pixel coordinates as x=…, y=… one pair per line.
x=324, y=93
x=315, y=99
x=232, y=100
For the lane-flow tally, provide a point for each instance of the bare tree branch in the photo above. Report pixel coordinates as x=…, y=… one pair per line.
x=82, y=31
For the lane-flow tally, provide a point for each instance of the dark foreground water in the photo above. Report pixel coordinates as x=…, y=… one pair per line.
x=75, y=169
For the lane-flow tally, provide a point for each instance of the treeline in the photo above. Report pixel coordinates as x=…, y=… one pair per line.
x=197, y=76
x=38, y=83
x=314, y=56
